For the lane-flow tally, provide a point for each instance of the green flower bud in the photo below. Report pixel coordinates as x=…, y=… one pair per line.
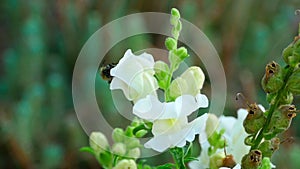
x=126, y=164
x=132, y=142
x=129, y=131
x=118, y=135
x=190, y=82
x=216, y=160
x=119, y=149
x=252, y=160
x=178, y=27
x=268, y=147
x=170, y=43
x=272, y=80
x=211, y=124
x=182, y=53
x=134, y=153
x=280, y=121
x=175, y=15
x=293, y=82
x=254, y=120
x=98, y=142
x=175, y=12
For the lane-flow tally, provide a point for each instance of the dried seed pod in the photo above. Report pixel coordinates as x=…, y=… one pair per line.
x=272, y=80
x=252, y=160
x=281, y=120
x=254, y=120
x=268, y=147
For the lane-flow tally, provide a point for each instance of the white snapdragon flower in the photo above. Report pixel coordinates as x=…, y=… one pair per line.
x=134, y=75
x=170, y=124
x=234, y=135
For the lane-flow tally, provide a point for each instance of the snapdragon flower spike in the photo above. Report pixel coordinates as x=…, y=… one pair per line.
x=255, y=119
x=272, y=80
x=268, y=147
x=252, y=160
x=280, y=121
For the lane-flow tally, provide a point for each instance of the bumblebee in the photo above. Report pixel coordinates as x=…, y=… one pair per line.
x=105, y=72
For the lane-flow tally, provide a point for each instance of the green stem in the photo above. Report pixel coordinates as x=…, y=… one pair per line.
x=178, y=156
x=273, y=107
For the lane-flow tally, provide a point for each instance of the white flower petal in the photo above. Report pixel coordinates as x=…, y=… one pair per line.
x=150, y=108
x=177, y=135
x=137, y=72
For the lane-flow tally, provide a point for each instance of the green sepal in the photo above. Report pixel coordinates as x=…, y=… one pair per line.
x=162, y=74
x=266, y=163
x=105, y=158
x=293, y=82
x=87, y=149
x=268, y=147
x=280, y=121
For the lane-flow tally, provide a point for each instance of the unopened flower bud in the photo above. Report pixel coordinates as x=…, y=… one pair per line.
x=268, y=147
x=252, y=160
x=118, y=135
x=170, y=43
x=175, y=15
x=190, y=82
x=119, y=149
x=98, y=142
x=181, y=53
x=254, y=120
x=216, y=160
x=134, y=153
x=280, y=121
x=126, y=164
x=272, y=80
x=211, y=124
x=132, y=142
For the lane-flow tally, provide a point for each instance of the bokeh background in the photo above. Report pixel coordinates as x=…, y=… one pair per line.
x=40, y=41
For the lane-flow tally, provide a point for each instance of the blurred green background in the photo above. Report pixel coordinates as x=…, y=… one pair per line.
x=40, y=41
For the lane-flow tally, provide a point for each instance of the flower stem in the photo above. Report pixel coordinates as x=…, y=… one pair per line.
x=273, y=107
x=178, y=156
